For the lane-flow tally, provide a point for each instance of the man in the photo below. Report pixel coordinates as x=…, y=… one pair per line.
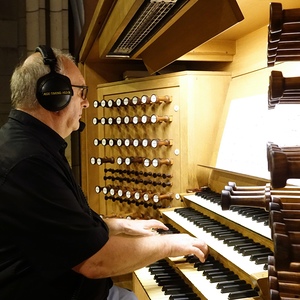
x=52, y=245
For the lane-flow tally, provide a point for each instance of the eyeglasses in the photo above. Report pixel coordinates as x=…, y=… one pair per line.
x=84, y=90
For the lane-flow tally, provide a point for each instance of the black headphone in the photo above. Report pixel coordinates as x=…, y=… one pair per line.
x=53, y=91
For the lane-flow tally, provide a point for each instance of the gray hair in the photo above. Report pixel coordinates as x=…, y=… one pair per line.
x=24, y=79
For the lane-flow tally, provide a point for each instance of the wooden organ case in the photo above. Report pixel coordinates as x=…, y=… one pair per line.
x=146, y=138
x=141, y=157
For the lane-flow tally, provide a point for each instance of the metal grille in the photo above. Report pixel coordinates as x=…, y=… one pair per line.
x=149, y=17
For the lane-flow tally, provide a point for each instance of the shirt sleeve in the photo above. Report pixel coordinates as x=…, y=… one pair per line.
x=43, y=216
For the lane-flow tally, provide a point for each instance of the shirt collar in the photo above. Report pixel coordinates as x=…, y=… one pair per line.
x=43, y=132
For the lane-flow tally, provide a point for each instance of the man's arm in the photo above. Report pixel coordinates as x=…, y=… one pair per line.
x=123, y=254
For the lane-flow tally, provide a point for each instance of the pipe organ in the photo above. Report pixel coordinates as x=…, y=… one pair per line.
x=146, y=138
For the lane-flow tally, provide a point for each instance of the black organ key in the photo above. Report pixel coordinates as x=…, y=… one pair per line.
x=216, y=272
x=257, y=250
x=192, y=258
x=170, y=281
x=263, y=218
x=171, y=230
x=259, y=216
x=224, y=284
x=221, y=235
x=220, y=278
x=254, y=213
x=250, y=212
x=241, y=247
x=213, y=227
x=244, y=210
x=219, y=230
x=164, y=277
x=210, y=266
x=169, y=290
x=160, y=271
x=244, y=243
x=242, y=294
x=234, y=240
x=262, y=258
x=185, y=296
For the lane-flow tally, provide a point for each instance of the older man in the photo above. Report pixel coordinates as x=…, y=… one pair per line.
x=52, y=245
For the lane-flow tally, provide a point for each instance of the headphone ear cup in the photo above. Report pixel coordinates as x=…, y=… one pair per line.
x=54, y=91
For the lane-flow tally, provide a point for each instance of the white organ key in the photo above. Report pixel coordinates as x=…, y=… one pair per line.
x=150, y=285
x=257, y=227
x=242, y=262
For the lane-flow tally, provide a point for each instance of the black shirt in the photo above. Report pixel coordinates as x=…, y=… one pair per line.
x=46, y=225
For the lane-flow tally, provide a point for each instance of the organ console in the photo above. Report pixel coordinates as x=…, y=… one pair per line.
x=232, y=273
x=252, y=231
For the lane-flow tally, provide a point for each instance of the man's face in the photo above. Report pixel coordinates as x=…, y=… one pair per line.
x=73, y=112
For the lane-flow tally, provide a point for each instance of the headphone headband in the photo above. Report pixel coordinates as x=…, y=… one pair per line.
x=48, y=55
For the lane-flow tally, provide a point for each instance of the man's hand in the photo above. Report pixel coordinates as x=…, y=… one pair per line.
x=134, y=227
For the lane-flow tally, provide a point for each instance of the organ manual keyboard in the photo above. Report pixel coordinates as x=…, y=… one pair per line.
x=240, y=245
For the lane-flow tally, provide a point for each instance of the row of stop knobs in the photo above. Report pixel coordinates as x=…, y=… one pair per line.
x=138, y=180
x=133, y=194
x=146, y=204
x=153, y=99
x=147, y=162
x=137, y=173
x=154, y=143
x=145, y=119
